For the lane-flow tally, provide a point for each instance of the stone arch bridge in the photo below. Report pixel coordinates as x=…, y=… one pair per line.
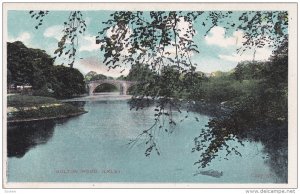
x=122, y=85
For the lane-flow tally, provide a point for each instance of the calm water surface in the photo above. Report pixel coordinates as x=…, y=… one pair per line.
x=93, y=148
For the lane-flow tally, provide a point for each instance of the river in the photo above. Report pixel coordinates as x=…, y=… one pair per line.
x=93, y=148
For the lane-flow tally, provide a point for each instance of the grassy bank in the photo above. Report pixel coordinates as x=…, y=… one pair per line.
x=29, y=108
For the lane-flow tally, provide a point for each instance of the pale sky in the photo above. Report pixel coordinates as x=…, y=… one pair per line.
x=217, y=49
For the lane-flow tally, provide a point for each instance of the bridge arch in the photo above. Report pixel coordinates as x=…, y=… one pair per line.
x=103, y=85
x=122, y=85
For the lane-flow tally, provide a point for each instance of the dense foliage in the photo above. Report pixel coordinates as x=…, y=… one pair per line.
x=89, y=75
x=27, y=66
x=153, y=43
x=149, y=36
x=259, y=112
x=34, y=67
x=67, y=82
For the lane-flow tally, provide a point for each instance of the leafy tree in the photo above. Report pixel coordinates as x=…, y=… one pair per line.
x=155, y=41
x=66, y=82
x=259, y=115
x=35, y=67
x=89, y=75
x=276, y=71
x=27, y=66
x=249, y=70
x=139, y=72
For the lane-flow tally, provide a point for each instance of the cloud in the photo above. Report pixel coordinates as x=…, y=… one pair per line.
x=94, y=64
x=261, y=54
x=54, y=32
x=88, y=43
x=217, y=37
x=24, y=37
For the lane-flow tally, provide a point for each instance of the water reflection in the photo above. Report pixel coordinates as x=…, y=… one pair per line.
x=278, y=161
x=276, y=146
x=97, y=140
x=21, y=137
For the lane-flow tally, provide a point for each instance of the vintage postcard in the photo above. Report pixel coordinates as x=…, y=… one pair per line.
x=150, y=95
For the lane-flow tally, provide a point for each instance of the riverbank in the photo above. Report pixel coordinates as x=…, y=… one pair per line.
x=24, y=108
x=103, y=96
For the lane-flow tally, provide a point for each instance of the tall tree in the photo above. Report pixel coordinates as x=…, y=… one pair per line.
x=27, y=65
x=67, y=82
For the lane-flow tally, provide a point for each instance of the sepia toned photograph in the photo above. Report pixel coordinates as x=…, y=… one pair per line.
x=149, y=95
